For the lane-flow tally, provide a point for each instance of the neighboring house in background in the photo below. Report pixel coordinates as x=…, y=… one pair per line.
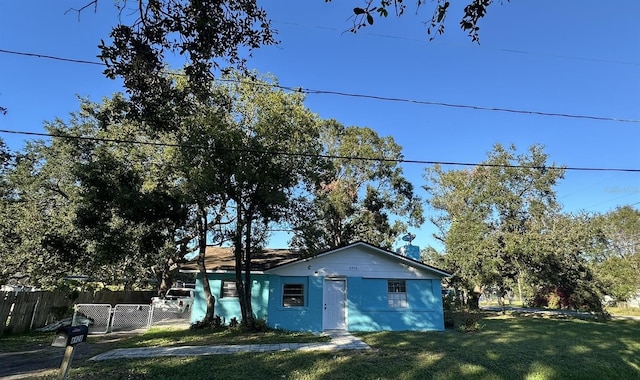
x=358, y=287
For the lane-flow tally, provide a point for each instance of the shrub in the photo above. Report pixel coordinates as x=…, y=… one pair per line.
x=260, y=325
x=455, y=316
x=578, y=298
x=217, y=323
x=468, y=321
x=450, y=304
x=553, y=301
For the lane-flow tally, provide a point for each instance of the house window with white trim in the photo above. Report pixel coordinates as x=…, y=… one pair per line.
x=397, y=293
x=228, y=289
x=293, y=295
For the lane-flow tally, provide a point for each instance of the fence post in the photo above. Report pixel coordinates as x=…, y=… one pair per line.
x=35, y=312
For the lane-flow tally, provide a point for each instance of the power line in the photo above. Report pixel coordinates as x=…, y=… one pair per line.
x=37, y=55
x=310, y=155
x=454, y=105
x=310, y=91
x=483, y=46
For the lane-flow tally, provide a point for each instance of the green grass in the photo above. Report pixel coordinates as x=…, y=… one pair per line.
x=18, y=342
x=163, y=336
x=508, y=347
x=624, y=311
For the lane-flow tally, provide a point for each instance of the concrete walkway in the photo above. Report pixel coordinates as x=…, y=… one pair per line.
x=340, y=340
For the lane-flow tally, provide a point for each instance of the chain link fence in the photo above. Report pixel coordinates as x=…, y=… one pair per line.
x=160, y=316
x=131, y=317
x=96, y=316
x=102, y=318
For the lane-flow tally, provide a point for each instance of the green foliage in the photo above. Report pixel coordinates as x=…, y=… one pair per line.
x=456, y=315
x=128, y=209
x=358, y=199
x=61, y=312
x=560, y=264
x=207, y=33
x=553, y=301
x=431, y=256
x=501, y=226
x=38, y=205
x=473, y=12
x=216, y=324
x=468, y=321
x=616, y=262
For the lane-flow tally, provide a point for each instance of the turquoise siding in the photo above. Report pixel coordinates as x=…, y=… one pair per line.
x=305, y=318
x=368, y=309
x=229, y=307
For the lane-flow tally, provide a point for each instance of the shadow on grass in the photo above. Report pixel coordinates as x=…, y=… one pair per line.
x=204, y=337
x=506, y=348
x=510, y=347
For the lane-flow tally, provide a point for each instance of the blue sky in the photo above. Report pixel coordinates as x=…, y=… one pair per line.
x=570, y=57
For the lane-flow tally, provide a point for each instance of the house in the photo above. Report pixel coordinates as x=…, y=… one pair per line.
x=357, y=287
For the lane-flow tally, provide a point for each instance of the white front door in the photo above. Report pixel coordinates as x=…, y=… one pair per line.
x=334, y=308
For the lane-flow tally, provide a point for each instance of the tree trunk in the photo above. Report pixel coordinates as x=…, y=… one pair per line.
x=202, y=248
x=248, y=316
x=501, y=294
x=473, y=300
x=239, y=253
x=520, y=291
x=165, y=279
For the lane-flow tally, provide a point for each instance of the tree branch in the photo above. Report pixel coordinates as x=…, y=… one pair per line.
x=79, y=10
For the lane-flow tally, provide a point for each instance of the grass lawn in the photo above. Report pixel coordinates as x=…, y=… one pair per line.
x=164, y=336
x=635, y=311
x=507, y=347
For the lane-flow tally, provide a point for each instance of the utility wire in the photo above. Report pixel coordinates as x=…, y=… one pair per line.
x=483, y=46
x=310, y=155
x=381, y=98
x=37, y=55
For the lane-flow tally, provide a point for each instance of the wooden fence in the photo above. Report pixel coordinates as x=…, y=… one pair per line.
x=24, y=311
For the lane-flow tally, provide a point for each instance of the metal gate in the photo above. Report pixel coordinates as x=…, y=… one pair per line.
x=160, y=316
x=102, y=318
x=131, y=317
x=96, y=316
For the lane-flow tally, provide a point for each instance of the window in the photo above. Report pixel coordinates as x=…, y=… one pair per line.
x=293, y=295
x=228, y=289
x=397, y=293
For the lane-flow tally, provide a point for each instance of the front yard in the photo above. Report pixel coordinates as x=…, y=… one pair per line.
x=506, y=348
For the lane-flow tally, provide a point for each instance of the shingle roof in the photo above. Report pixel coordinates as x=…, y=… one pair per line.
x=219, y=259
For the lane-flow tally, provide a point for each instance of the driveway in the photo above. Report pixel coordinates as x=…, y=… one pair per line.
x=36, y=360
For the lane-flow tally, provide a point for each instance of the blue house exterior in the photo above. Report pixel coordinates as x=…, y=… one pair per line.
x=358, y=287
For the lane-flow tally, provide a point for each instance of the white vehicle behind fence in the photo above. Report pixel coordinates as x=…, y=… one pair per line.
x=179, y=300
